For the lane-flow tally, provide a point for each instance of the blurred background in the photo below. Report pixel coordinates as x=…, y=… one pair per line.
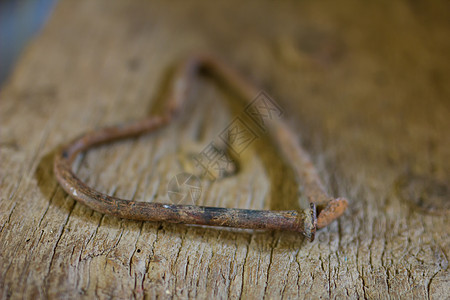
x=20, y=20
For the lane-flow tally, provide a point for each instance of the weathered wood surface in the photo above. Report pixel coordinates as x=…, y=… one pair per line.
x=365, y=84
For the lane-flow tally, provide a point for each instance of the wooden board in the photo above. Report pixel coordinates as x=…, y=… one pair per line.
x=365, y=85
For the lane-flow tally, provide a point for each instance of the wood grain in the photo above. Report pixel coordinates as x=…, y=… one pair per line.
x=366, y=85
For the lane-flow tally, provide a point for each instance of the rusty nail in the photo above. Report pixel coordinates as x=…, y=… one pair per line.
x=312, y=196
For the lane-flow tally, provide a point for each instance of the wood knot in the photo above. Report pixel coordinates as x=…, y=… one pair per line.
x=426, y=193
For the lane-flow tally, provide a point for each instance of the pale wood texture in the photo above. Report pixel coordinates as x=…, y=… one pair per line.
x=366, y=85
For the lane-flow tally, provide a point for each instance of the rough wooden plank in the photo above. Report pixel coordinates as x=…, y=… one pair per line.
x=366, y=85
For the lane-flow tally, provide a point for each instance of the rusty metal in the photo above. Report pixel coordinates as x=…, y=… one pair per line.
x=317, y=208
